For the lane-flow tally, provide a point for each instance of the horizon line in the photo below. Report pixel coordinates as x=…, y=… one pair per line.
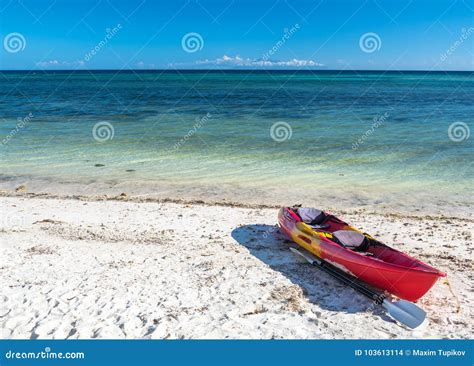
x=234, y=69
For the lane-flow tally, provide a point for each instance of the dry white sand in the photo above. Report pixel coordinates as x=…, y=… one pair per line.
x=113, y=269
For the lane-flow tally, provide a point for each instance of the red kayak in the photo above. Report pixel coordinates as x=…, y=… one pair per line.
x=357, y=253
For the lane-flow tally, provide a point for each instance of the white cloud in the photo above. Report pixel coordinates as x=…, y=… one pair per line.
x=143, y=65
x=56, y=63
x=238, y=61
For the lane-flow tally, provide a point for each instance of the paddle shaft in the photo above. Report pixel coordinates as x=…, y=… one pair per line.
x=402, y=311
x=345, y=278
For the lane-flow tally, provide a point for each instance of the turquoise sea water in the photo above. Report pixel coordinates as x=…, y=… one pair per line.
x=378, y=139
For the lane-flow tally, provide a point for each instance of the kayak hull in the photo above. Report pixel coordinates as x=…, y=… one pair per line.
x=386, y=268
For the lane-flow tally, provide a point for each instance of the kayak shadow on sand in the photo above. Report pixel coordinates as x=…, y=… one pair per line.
x=270, y=246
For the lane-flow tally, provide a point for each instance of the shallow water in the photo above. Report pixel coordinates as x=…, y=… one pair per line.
x=340, y=139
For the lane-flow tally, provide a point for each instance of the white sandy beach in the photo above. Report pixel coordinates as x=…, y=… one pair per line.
x=76, y=268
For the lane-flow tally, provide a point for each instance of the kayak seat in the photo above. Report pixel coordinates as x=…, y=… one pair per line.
x=313, y=217
x=318, y=219
x=351, y=239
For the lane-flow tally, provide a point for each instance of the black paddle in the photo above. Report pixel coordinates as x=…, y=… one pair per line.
x=402, y=311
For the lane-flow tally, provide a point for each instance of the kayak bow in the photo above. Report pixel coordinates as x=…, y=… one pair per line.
x=403, y=311
x=378, y=265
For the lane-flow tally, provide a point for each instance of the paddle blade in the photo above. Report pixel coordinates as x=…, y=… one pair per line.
x=405, y=312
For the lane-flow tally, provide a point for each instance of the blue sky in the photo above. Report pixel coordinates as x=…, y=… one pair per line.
x=321, y=34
